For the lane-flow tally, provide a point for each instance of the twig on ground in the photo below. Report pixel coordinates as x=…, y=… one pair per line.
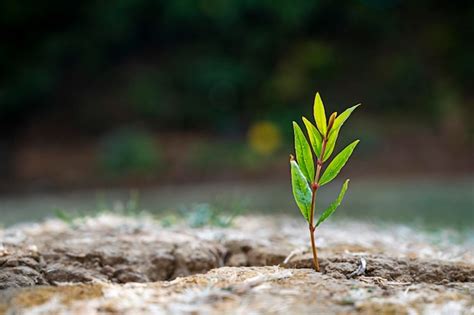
x=258, y=280
x=360, y=270
x=294, y=253
x=373, y=280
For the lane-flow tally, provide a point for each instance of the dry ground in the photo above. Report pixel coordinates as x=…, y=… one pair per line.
x=117, y=265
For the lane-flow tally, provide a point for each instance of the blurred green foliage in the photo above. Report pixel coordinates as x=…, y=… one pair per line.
x=130, y=152
x=209, y=156
x=218, y=213
x=129, y=208
x=204, y=214
x=220, y=65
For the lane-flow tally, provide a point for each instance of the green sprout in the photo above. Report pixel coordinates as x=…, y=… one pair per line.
x=306, y=176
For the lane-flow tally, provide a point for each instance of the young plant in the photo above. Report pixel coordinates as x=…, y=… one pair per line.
x=306, y=175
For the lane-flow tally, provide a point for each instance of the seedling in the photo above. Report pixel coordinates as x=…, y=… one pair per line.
x=306, y=176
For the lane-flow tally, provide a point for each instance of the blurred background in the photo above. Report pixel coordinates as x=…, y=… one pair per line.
x=187, y=104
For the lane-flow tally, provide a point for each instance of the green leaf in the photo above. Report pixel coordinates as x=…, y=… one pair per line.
x=303, y=153
x=339, y=121
x=330, y=145
x=301, y=190
x=334, y=132
x=320, y=115
x=333, y=206
x=314, y=137
x=337, y=164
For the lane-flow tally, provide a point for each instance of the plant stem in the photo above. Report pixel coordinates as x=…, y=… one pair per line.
x=311, y=233
x=314, y=188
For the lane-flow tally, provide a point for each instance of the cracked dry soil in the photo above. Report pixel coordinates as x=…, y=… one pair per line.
x=122, y=265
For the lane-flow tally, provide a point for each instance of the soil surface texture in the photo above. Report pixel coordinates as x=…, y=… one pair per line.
x=262, y=265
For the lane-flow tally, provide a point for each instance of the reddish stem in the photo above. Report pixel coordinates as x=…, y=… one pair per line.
x=314, y=188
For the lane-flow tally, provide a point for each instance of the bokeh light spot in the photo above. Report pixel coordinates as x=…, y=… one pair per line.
x=264, y=137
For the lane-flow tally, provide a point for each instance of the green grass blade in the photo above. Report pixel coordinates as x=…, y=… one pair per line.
x=337, y=164
x=303, y=153
x=333, y=206
x=320, y=114
x=314, y=136
x=301, y=190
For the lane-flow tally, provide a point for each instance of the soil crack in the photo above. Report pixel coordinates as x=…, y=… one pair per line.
x=151, y=253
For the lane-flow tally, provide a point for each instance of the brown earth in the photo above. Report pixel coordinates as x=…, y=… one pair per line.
x=259, y=266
